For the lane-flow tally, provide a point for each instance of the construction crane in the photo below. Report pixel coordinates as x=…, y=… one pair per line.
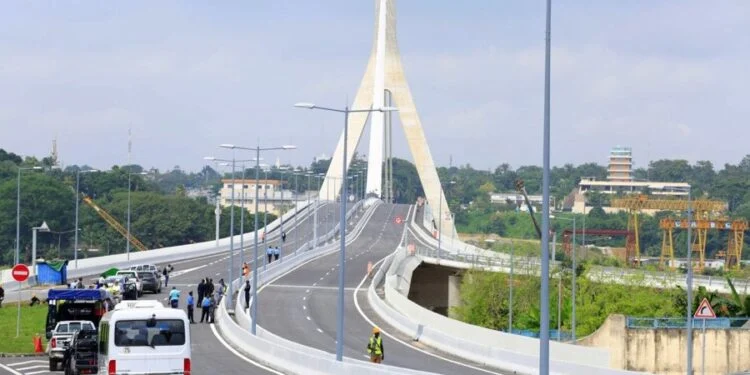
x=522, y=189
x=701, y=227
x=114, y=224
x=637, y=203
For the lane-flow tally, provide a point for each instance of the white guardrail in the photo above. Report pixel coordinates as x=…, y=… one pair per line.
x=492, y=348
x=96, y=265
x=285, y=355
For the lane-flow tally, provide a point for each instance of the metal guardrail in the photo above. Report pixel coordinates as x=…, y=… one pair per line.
x=681, y=323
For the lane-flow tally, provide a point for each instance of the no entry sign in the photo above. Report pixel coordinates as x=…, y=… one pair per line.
x=20, y=272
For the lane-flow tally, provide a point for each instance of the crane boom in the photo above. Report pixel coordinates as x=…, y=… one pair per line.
x=522, y=189
x=114, y=223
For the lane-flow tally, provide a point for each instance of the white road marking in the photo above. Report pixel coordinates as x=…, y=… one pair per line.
x=37, y=372
x=10, y=370
x=308, y=318
x=238, y=354
x=304, y=307
x=356, y=304
x=25, y=363
x=320, y=330
x=30, y=367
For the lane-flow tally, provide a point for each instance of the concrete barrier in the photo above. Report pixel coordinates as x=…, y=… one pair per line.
x=493, y=348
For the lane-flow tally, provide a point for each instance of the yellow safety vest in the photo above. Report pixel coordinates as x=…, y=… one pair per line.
x=376, y=345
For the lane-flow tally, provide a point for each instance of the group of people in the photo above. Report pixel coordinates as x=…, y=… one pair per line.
x=273, y=253
x=208, y=296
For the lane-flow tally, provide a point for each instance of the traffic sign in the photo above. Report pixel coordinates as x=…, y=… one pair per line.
x=20, y=272
x=399, y=220
x=704, y=311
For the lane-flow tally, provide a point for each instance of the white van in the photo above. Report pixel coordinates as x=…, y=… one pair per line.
x=144, y=337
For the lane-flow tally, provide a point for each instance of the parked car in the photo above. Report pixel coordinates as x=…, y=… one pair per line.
x=144, y=267
x=61, y=337
x=82, y=353
x=150, y=280
x=132, y=275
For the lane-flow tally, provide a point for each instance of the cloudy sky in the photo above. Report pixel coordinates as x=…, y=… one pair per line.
x=668, y=78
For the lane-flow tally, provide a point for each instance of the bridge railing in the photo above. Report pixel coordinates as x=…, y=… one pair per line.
x=681, y=323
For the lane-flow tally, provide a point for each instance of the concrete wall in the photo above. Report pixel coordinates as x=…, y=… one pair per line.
x=664, y=351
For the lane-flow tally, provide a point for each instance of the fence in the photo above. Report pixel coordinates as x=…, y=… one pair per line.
x=681, y=323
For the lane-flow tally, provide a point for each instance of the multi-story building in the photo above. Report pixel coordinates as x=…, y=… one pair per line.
x=271, y=198
x=620, y=166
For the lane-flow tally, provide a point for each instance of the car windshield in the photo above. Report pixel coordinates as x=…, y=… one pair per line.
x=166, y=332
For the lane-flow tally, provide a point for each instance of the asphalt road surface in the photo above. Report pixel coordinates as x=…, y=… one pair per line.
x=210, y=354
x=304, y=308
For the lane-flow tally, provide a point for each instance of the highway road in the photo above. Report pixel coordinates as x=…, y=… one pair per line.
x=304, y=310
x=210, y=353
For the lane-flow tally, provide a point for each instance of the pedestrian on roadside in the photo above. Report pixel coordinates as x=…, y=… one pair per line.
x=2, y=295
x=165, y=272
x=212, y=309
x=276, y=253
x=283, y=236
x=174, y=297
x=375, y=346
x=205, y=308
x=211, y=286
x=221, y=289
x=269, y=253
x=190, y=306
x=247, y=294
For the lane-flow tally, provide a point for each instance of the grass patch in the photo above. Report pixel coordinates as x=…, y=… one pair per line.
x=32, y=321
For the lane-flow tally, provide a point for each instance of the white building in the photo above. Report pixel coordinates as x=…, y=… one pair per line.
x=620, y=166
x=670, y=189
x=270, y=197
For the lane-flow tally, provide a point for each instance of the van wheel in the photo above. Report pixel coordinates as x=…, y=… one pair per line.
x=52, y=365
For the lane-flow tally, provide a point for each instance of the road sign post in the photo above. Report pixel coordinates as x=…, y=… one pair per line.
x=20, y=273
x=704, y=312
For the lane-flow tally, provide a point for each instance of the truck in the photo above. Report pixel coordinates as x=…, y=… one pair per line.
x=82, y=354
x=61, y=338
x=76, y=304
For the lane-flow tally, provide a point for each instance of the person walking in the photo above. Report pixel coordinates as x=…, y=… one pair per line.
x=165, y=272
x=174, y=297
x=269, y=253
x=205, y=308
x=221, y=289
x=276, y=253
x=283, y=236
x=212, y=309
x=247, y=294
x=375, y=346
x=2, y=295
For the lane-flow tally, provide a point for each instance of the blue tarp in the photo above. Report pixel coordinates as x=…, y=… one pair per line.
x=78, y=294
x=52, y=273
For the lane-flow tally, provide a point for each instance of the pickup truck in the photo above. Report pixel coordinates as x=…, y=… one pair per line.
x=132, y=275
x=61, y=337
x=81, y=356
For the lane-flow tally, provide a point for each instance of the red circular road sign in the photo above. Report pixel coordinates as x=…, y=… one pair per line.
x=20, y=272
x=399, y=220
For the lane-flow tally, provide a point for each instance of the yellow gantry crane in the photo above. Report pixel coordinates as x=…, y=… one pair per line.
x=701, y=226
x=702, y=209
x=114, y=224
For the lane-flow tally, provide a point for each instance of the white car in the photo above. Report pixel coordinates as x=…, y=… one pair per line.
x=144, y=267
x=61, y=336
x=132, y=275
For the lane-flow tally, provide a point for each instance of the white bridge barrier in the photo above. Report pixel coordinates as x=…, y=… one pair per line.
x=97, y=265
x=493, y=348
x=283, y=354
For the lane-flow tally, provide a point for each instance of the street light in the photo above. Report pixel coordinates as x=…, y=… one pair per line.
x=544, y=289
x=78, y=198
x=257, y=149
x=342, y=219
x=575, y=266
x=42, y=228
x=689, y=283
x=18, y=211
x=127, y=242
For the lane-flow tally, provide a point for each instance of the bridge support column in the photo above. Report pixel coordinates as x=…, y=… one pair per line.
x=454, y=293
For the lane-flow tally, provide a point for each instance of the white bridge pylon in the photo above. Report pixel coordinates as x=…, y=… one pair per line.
x=385, y=72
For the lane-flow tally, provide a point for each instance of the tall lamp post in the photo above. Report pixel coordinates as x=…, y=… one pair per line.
x=78, y=198
x=257, y=149
x=544, y=289
x=231, y=221
x=575, y=266
x=689, y=282
x=342, y=220
x=18, y=212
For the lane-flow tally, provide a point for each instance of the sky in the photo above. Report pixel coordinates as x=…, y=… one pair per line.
x=664, y=77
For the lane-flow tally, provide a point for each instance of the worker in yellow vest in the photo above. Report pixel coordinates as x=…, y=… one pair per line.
x=375, y=346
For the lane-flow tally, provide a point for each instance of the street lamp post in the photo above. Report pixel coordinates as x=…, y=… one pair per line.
x=689, y=282
x=18, y=213
x=258, y=149
x=78, y=198
x=544, y=290
x=242, y=217
x=342, y=219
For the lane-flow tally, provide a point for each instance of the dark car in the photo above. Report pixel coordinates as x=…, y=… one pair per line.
x=81, y=355
x=150, y=280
